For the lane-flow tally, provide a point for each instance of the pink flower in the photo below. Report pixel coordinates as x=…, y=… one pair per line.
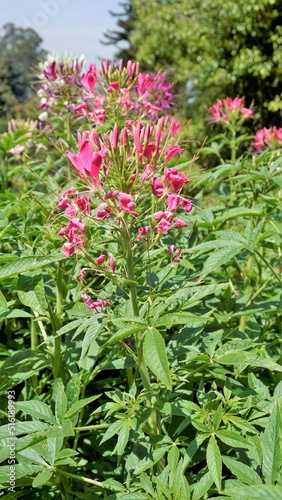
x=173, y=201
x=180, y=223
x=187, y=205
x=87, y=162
x=247, y=111
x=175, y=127
x=68, y=249
x=94, y=305
x=75, y=231
x=163, y=215
x=111, y=194
x=100, y=260
x=175, y=178
x=141, y=231
x=163, y=226
x=82, y=274
x=170, y=249
x=103, y=211
x=172, y=150
x=89, y=79
x=113, y=86
x=126, y=203
x=158, y=187
x=146, y=173
x=112, y=262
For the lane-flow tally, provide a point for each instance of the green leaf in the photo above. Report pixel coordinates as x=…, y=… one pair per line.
x=233, y=439
x=242, y=471
x=125, y=332
x=153, y=458
x=113, y=485
x=31, y=292
x=76, y=407
x=36, y=409
x=214, y=462
x=181, y=318
x=23, y=264
x=22, y=470
x=271, y=444
x=123, y=436
x=172, y=458
x=3, y=302
x=42, y=478
x=202, y=486
x=217, y=259
x=261, y=492
x=155, y=356
x=217, y=417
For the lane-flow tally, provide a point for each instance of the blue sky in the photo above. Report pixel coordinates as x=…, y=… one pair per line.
x=73, y=26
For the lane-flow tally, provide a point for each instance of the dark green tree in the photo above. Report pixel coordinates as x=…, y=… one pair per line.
x=22, y=50
x=126, y=22
x=220, y=47
x=7, y=99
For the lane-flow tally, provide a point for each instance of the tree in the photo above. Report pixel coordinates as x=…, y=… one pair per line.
x=126, y=21
x=22, y=50
x=220, y=47
x=7, y=99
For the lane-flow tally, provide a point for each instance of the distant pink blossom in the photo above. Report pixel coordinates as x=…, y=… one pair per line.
x=180, y=223
x=175, y=127
x=94, y=305
x=228, y=109
x=100, y=260
x=268, y=138
x=141, y=231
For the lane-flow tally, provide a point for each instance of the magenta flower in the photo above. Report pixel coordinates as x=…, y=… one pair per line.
x=126, y=203
x=175, y=127
x=141, y=231
x=173, y=201
x=158, y=187
x=94, y=305
x=89, y=79
x=75, y=231
x=180, y=223
x=87, y=162
x=100, y=260
x=175, y=178
x=171, y=151
x=103, y=211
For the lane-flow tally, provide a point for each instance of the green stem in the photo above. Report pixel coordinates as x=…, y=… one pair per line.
x=82, y=478
x=57, y=340
x=153, y=421
x=248, y=289
x=34, y=345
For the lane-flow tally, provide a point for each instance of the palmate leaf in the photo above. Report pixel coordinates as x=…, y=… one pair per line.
x=154, y=351
x=202, y=486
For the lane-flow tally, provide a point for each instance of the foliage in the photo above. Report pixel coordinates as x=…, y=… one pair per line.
x=21, y=49
x=221, y=48
x=142, y=358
